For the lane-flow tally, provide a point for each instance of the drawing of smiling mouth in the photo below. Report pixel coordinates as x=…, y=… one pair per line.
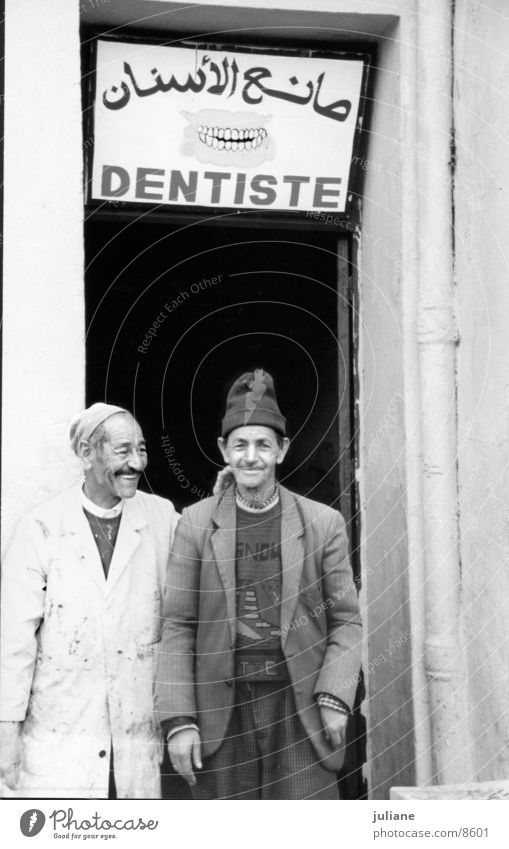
x=232, y=139
x=228, y=138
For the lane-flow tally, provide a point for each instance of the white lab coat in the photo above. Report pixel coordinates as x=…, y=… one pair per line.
x=78, y=652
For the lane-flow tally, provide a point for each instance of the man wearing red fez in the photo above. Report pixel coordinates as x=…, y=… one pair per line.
x=81, y=616
x=261, y=639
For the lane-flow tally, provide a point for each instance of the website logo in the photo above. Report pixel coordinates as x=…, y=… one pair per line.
x=32, y=822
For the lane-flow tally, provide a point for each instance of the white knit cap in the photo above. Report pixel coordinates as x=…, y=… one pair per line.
x=83, y=425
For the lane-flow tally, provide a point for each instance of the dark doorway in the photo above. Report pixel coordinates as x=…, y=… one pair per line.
x=175, y=314
x=173, y=317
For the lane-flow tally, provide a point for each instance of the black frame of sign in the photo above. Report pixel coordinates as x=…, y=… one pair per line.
x=216, y=214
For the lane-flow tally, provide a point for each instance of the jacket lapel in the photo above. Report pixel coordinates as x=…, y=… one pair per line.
x=223, y=545
x=292, y=558
x=128, y=539
x=75, y=527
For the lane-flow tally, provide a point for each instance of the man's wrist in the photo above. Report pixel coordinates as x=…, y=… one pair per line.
x=177, y=723
x=179, y=728
x=330, y=701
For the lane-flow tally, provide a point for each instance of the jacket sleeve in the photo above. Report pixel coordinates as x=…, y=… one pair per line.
x=339, y=674
x=175, y=678
x=22, y=608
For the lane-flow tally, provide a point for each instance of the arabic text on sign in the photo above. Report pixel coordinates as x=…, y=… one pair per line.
x=253, y=90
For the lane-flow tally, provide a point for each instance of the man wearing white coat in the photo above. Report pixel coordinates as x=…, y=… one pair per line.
x=81, y=606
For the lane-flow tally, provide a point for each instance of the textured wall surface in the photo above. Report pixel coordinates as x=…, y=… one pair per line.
x=382, y=447
x=482, y=239
x=43, y=354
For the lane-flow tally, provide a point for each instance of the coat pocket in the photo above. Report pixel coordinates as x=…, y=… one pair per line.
x=145, y=621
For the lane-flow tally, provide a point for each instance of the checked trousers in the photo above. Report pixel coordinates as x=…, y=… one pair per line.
x=266, y=753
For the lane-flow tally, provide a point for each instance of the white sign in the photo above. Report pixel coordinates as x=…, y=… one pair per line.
x=188, y=126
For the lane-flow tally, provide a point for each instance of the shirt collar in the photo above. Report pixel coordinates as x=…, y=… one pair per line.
x=100, y=512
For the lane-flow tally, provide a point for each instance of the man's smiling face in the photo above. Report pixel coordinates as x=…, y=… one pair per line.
x=253, y=452
x=115, y=460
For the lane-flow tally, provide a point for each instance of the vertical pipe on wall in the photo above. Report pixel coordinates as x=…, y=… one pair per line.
x=413, y=401
x=437, y=339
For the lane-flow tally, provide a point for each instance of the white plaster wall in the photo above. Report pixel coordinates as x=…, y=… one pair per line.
x=383, y=472
x=43, y=353
x=482, y=272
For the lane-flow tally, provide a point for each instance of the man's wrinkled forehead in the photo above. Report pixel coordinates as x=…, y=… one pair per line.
x=250, y=433
x=122, y=428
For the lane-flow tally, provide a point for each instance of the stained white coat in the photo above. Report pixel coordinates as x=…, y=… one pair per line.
x=78, y=651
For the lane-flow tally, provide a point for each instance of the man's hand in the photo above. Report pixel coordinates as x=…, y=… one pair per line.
x=334, y=726
x=224, y=479
x=184, y=749
x=10, y=753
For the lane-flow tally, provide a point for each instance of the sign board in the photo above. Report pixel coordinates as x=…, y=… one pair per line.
x=207, y=127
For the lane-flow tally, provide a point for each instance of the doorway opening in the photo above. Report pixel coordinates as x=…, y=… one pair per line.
x=173, y=317
x=176, y=313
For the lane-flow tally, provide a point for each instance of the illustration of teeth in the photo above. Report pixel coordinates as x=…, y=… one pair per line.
x=225, y=138
x=211, y=141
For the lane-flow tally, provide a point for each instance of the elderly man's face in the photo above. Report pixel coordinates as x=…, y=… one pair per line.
x=114, y=466
x=253, y=452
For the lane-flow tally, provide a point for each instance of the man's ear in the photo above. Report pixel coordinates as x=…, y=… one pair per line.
x=222, y=447
x=85, y=452
x=283, y=450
